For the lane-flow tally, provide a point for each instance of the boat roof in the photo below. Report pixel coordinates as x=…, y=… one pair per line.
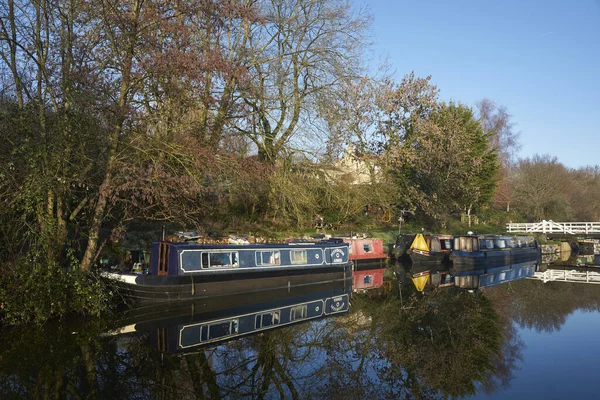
x=491, y=236
x=200, y=246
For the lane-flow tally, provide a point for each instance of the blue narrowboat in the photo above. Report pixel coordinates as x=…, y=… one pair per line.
x=180, y=271
x=491, y=251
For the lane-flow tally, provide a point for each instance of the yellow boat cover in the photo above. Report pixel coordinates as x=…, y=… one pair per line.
x=420, y=281
x=419, y=243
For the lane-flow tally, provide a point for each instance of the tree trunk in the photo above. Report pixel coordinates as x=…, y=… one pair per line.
x=469, y=214
x=105, y=190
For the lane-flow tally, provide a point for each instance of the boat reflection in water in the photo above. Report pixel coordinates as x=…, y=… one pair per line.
x=479, y=278
x=178, y=327
x=429, y=276
x=472, y=275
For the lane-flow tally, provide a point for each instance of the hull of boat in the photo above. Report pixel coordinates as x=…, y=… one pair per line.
x=369, y=264
x=152, y=288
x=428, y=259
x=491, y=259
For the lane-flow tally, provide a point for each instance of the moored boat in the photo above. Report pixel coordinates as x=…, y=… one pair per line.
x=180, y=271
x=368, y=259
x=423, y=249
x=491, y=251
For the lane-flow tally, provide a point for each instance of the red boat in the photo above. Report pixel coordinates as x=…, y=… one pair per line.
x=368, y=262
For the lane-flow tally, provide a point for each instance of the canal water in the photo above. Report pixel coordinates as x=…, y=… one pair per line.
x=524, y=339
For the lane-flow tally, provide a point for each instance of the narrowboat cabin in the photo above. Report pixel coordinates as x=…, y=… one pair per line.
x=424, y=249
x=368, y=259
x=491, y=251
x=401, y=249
x=180, y=271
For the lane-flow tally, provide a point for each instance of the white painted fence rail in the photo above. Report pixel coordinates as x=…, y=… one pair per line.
x=566, y=228
x=555, y=275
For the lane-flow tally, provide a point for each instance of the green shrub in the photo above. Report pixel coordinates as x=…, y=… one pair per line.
x=34, y=290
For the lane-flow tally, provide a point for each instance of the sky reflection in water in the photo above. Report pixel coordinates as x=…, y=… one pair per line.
x=559, y=364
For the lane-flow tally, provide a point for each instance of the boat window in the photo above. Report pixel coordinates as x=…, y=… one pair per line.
x=299, y=312
x=219, y=259
x=446, y=244
x=298, y=257
x=500, y=244
x=190, y=260
x=267, y=319
x=434, y=245
x=475, y=244
x=368, y=279
x=368, y=247
x=457, y=244
x=468, y=244
x=269, y=257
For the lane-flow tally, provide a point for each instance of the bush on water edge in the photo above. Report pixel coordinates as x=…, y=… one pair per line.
x=35, y=290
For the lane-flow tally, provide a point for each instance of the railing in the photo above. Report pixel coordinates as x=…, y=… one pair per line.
x=565, y=228
x=555, y=275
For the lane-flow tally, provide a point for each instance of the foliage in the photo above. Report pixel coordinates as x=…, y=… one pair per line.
x=539, y=188
x=446, y=162
x=233, y=115
x=35, y=290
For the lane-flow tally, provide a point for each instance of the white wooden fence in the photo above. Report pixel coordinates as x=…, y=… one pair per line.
x=565, y=228
x=555, y=275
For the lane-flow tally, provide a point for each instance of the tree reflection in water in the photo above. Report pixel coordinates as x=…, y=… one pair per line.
x=446, y=343
x=544, y=307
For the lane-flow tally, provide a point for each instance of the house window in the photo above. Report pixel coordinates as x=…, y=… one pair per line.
x=269, y=258
x=298, y=257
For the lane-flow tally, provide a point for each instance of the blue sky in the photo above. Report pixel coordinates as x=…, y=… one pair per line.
x=540, y=59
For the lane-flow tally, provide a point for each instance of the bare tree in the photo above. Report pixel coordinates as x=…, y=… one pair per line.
x=297, y=53
x=496, y=123
x=539, y=188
